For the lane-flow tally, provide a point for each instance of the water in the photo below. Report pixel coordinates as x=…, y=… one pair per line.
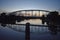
x=33, y=29
x=31, y=21
x=17, y=32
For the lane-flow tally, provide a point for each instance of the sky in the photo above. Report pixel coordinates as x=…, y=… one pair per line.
x=14, y=5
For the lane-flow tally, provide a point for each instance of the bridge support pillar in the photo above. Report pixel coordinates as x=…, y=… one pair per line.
x=39, y=13
x=27, y=31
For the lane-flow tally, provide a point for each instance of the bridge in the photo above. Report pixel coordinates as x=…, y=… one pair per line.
x=37, y=14
x=30, y=12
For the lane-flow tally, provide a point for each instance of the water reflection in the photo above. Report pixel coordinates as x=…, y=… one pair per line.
x=33, y=29
x=31, y=21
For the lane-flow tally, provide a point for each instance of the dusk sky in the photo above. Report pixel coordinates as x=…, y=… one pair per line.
x=14, y=5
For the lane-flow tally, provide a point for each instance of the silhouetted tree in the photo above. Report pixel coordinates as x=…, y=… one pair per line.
x=52, y=21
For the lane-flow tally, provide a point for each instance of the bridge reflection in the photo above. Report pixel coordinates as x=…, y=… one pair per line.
x=33, y=28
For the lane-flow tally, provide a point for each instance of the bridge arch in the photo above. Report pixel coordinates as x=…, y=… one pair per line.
x=31, y=12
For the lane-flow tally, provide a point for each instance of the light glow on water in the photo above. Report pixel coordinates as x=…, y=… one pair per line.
x=31, y=21
x=33, y=29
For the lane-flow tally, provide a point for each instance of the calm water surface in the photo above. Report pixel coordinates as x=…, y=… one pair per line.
x=33, y=29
